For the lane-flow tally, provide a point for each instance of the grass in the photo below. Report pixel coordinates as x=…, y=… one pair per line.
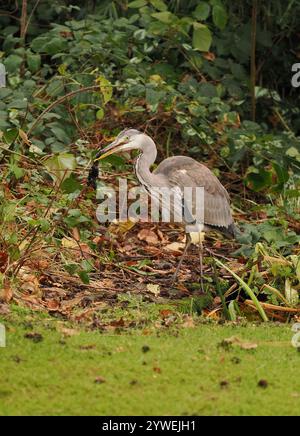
x=184, y=371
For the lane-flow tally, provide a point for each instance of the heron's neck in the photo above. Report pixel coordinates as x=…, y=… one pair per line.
x=144, y=162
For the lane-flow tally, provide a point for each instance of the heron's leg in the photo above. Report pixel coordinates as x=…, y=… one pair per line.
x=187, y=245
x=200, y=246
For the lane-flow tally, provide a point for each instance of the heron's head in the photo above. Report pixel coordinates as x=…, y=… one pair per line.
x=128, y=139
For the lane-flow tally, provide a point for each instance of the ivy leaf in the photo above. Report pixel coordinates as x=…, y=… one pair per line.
x=12, y=63
x=137, y=4
x=259, y=180
x=10, y=135
x=292, y=152
x=38, y=43
x=105, y=88
x=84, y=277
x=17, y=171
x=55, y=45
x=202, y=11
x=61, y=165
x=202, y=37
x=220, y=16
x=159, y=5
x=100, y=113
x=165, y=17
x=71, y=185
x=60, y=133
x=33, y=62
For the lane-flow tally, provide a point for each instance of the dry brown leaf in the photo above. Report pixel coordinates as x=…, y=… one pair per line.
x=209, y=56
x=162, y=236
x=69, y=243
x=76, y=248
x=100, y=380
x=233, y=340
x=148, y=236
x=30, y=282
x=68, y=305
x=218, y=244
x=24, y=137
x=6, y=293
x=165, y=313
x=52, y=305
x=76, y=234
x=68, y=332
x=154, y=289
x=248, y=345
x=42, y=264
x=121, y=227
x=175, y=246
x=4, y=309
x=3, y=261
x=188, y=323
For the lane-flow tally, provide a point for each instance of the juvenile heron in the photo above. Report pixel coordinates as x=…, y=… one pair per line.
x=176, y=173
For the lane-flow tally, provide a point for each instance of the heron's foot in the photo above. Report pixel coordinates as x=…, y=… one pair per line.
x=174, y=278
x=202, y=285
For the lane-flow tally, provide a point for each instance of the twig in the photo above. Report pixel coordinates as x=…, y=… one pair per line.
x=221, y=295
x=23, y=20
x=58, y=101
x=253, y=62
x=269, y=306
x=31, y=14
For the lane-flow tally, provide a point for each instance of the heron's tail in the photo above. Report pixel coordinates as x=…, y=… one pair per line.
x=230, y=232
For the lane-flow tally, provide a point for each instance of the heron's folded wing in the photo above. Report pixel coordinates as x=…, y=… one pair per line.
x=216, y=199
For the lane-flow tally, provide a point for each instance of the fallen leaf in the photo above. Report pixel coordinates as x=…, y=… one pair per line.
x=76, y=248
x=162, y=236
x=209, y=56
x=154, y=289
x=35, y=337
x=175, y=246
x=76, y=234
x=165, y=313
x=125, y=226
x=6, y=293
x=4, y=309
x=117, y=323
x=3, y=261
x=30, y=282
x=189, y=322
x=68, y=332
x=87, y=347
x=248, y=345
x=52, y=305
x=218, y=244
x=24, y=137
x=233, y=340
x=100, y=380
x=148, y=236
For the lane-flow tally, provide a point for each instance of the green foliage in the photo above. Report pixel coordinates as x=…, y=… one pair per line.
x=184, y=65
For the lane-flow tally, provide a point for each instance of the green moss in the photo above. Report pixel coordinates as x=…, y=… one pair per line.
x=181, y=373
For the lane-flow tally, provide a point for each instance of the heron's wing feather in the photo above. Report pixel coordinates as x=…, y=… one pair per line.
x=183, y=172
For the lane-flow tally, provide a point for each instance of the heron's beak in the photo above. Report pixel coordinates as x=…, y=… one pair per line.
x=114, y=147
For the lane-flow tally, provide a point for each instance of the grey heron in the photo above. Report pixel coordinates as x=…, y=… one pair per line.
x=177, y=172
